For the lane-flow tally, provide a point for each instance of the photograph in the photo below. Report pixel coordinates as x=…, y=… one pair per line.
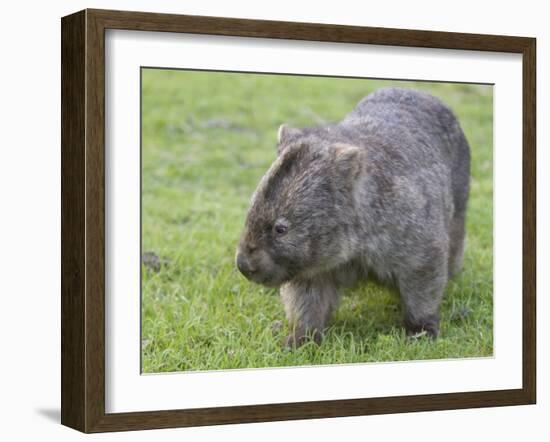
x=294, y=220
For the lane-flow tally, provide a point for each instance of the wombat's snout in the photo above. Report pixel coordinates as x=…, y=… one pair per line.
x=257, y=266
x=244, y=265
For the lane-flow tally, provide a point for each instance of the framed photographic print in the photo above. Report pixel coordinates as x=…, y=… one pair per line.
x=270, y=220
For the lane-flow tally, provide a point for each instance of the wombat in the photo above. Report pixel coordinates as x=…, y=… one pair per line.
x=383, y=192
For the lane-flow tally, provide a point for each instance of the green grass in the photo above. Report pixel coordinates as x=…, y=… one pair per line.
x=207, y=138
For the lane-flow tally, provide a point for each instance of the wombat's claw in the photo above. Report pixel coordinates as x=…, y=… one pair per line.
x=292, y=341
x=428, y=327
x=418, y=335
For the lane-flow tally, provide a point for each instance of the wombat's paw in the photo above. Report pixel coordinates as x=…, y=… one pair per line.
x=295, y=340
x=418, y=335
x=417, y=329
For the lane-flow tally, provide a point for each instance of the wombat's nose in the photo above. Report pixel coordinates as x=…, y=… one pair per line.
x=244, y=265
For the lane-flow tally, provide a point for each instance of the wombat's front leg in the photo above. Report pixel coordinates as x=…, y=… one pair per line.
x=421, y=292
x=308, y=305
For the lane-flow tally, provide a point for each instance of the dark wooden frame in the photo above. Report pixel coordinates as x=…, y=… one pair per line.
x=83, y=216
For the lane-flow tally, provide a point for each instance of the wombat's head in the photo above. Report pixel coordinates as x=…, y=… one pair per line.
x=302, y=212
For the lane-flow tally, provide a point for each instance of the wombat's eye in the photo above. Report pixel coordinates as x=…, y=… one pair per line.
x=280, y=229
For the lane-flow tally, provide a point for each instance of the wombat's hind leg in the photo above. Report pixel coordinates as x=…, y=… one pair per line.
x=421, y=293
x=308, y=305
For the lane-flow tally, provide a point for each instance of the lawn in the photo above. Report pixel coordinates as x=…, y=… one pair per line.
x=207, y=139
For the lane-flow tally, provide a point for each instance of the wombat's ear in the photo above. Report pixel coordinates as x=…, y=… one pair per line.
x=349, y=160
x=284, y=135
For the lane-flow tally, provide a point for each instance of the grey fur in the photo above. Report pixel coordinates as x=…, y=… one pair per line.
x=383, y=191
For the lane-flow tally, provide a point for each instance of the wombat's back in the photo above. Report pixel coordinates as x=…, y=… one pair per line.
x=419, y=126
